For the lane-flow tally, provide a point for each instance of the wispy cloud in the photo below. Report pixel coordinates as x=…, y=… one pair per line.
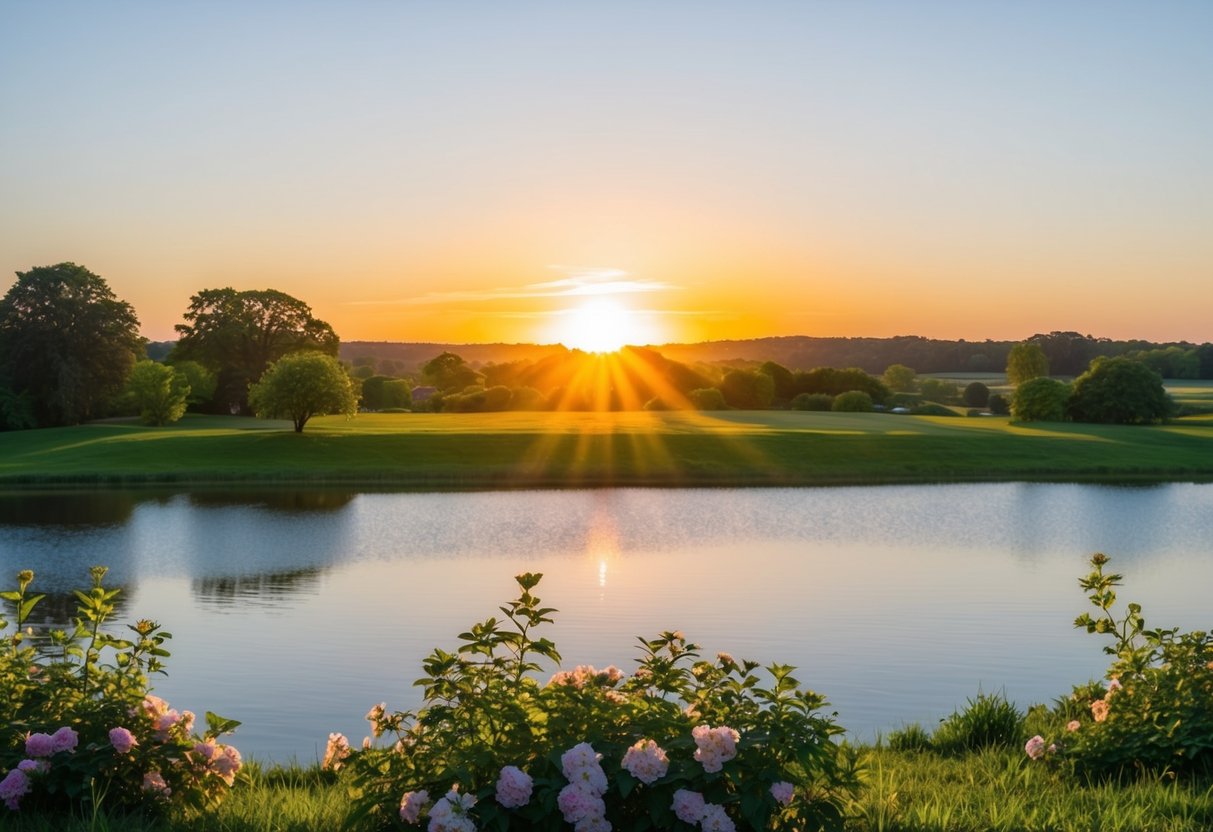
x=576, y=282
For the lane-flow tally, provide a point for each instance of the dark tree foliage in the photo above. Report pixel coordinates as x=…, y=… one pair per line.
x=976, y=395
x=237, y=335
x=450, y=372
x=747, y=390
x=66, y=344
x=834, y=381
x=785, y=382
x=999, y=405
x=1119, y=391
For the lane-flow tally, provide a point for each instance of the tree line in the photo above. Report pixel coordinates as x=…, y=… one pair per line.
x=70, y=351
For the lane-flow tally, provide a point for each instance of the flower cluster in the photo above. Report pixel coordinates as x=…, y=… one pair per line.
x=585, y=675
x=690, y=807
x=412, y=804
x=450, y=814
x=714, y=746
x=581, y=801
x=336, y=752
x=646, y=761
x=514, y=787
x=221, y=760
x=40, y=749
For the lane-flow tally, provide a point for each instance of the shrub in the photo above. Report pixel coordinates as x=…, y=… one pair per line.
x=1119, y=391
x=1154, y=712
x=1041, y=399
x=938, y=390
x=853, y=401
x=682, y=738
x=976, y=395
x=999, y=405
x=81, y=725
x=528, y=398
x=989, y=721
x=813, y=401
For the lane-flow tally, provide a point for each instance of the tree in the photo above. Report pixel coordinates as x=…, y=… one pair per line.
x=746, y=390
x=67, y=343
x=1040, y=399
x=852, y=401
x=383, y=392
x=201, y=381
x=813, y=401
x=1025, y=362
x=999, y=405
x=976, y=394
x=1119, y=391
x=302, y=385
x=158, y=392
x=785, y=382
x=899, y=377
x=707, y=398
x=237, y=335
x=448, y=371
x=938, y=390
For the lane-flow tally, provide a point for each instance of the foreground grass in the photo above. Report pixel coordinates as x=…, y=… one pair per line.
x=904, y=792
x=590, y=449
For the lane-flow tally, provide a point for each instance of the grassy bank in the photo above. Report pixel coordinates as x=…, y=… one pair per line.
x=590, y=449
x=904, y=792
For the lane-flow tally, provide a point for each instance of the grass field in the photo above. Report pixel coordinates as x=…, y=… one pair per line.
x=592, y=449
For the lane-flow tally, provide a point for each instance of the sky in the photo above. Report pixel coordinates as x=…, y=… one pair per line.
x=680, y=171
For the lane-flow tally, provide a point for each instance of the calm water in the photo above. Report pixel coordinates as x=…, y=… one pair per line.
x=295, y=612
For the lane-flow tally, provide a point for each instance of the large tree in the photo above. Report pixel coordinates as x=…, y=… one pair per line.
x=1119, y=391
x=67, y=343
x=237, y=335
x=302, y=385
x=1025, y=362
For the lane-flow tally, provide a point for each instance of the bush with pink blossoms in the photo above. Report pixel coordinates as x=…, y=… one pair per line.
x=81, y=722
x=680, y=742
x=1155, y=711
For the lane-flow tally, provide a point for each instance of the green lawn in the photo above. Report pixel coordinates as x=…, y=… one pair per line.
x=583, y=449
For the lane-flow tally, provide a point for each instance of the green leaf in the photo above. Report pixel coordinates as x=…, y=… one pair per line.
x=216, y=725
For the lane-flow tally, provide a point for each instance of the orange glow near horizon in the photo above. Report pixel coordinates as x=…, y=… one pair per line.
x=602, y=325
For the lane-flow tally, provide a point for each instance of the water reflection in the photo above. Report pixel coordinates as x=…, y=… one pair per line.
x=271, y=589
x=70, y=509
x=926, y=591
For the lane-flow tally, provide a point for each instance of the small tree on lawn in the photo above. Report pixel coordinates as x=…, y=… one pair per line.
x=158, y=391
x=302, y=385
x=1040, y=399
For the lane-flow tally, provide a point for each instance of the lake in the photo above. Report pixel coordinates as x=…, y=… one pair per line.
x=295, y=611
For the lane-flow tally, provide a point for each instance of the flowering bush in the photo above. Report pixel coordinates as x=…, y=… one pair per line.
x=1155, y=712
x=81, y=726
x=681, y=743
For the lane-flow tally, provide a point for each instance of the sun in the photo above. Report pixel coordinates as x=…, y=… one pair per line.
x=602, y=325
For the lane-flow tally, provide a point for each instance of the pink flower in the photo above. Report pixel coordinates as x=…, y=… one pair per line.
x=13, y=787
x=450, y=814
x=593, y=823
x=375, y=716
x=39, y=745
x=411, y=805
x=1035, y=747
x=514, y=787
x=153, y=783
x=1114, y=686
x=1073, y=725
x=714, y=746
x=580, y=765
x=336, y=752
x=782, y=792
x=577, y=804
x=122, y=740
x=646, y=761
x=65, y=739
x=688, y=806
x=1099, y=710
x=715, y=820
x=206, y=750
x=226, y=763
x=165, y=723
x=34, y=766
